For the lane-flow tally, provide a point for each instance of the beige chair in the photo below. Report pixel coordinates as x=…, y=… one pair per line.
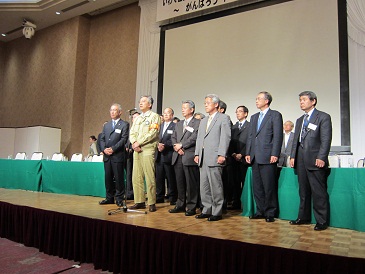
x=21, y=156
x=57, y=156
x=97, y=158
x=360, y=163
x=37, y=156
x=334, y=161
x=76, y=157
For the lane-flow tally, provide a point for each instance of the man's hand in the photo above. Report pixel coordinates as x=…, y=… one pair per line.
x=248, y=159
x=108, y=151
x=177, y=147
x=292, y=161
x=160, y=147
x=273, y=159
x=196, y=159
x=135, y=144
x=221, y=160
x=319, y=163
x=181, y=152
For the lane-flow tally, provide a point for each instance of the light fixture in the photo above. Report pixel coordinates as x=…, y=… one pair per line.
x=3, y=34
x=29, y=29
x=58, y=13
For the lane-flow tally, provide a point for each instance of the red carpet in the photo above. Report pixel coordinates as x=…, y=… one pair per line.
x=17, y=258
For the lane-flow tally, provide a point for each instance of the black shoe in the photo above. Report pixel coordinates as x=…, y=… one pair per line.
x=106, y=202
x=173, y=203
x=152, y=208
x=202, y=216
x=299, y=222
x=119, y=203
x=190, y=213
x=257, y=216
x=270, y=219
x=176, y=210
x=138, y=206
x=160, y=201
x=214, y=218
x=320, y=227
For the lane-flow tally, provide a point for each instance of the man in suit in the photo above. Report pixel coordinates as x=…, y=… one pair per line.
x=113, y=140
x=164, y=169
x=212, y=144
x=311, y=146
x=144, y=139
x=263, y=150
x=186, y=170
x=287, y=144
x=237, y=152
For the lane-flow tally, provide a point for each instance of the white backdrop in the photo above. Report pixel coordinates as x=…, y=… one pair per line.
x=283, y=49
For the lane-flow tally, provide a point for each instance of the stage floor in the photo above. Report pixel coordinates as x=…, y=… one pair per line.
x=333, y=241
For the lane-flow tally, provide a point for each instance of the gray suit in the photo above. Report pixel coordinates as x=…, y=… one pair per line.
x=286, y=150
x=211, y=143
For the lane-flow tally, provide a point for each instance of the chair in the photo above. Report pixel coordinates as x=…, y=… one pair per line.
x=97, y=158
x=37, y=156
x=57, y=156
x=21, y=156
x=334, y=161
x=76, y=157
x=361, y=163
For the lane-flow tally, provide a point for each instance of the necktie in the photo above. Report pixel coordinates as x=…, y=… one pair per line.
x=240, y=125
x=185, y=125
x=113, y=124
x=259, y=121
x=305, y=126
x=209, y=120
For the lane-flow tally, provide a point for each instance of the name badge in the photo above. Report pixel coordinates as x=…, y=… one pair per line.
x=169, y=131
x=117, y=130
x=190, y=129
x=312, y=126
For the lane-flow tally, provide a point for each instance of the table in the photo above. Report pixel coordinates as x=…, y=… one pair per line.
x=346, y=189
x=80, y=178
x=20, y=174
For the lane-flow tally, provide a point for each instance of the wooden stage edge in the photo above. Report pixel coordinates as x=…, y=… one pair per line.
x=56, y=218
x=333, y=241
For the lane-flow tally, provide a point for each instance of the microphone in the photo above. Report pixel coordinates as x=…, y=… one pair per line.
x=129, y=110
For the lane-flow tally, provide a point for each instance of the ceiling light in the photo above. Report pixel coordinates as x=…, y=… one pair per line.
x=58, y=13
x=3, y=34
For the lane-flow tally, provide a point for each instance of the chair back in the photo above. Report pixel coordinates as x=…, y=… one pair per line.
x=57, y=156
x=97, y=158
x=334, y=160
x=37, y=156
x=76, y=157
x=20, y=156
x=361, y=163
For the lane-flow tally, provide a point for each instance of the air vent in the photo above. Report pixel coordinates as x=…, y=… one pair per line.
x=75, y=6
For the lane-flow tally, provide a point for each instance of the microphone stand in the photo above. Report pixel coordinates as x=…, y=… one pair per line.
x=124, y=208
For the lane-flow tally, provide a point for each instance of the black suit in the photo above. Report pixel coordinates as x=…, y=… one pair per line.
x=129, y=170
x=164, y=169
x=263, y=143
x=315, y=144
x=237, y=169
x=114, y=164
x=186, y=170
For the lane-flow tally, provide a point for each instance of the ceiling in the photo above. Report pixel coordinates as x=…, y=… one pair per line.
x=43, y=13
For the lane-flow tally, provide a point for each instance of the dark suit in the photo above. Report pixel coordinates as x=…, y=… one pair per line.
x=263, y=143
x=129, y=170
x=98, y=146
x=164, y=169
x=114, y=164
x=237, y=169
x=186, y=170
x=286, y=150
x=211, y=143
x=315, y=144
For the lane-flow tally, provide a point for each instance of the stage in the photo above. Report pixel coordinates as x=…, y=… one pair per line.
x=78, y=228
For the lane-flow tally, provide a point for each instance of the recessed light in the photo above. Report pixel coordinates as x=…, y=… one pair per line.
x=58, y=13
x=3, y=34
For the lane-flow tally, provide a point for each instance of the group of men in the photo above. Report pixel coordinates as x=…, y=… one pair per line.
x=205, y=161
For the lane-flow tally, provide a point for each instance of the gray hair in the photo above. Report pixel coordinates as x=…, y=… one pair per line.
x=172, y=111
x=267, y=96
x=191, y=103
x=311, y=95
x=149, y=98
x=118, y=106
x=214, y=97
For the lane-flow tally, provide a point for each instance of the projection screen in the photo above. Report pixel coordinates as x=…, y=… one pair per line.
x=283, y=49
